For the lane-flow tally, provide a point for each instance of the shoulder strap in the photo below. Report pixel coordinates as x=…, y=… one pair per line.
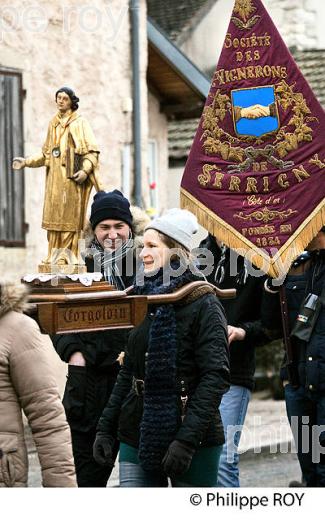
x=285, y=323
x=322, y=296
x=293, y=378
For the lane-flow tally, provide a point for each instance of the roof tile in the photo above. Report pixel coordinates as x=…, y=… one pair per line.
x=176, y=17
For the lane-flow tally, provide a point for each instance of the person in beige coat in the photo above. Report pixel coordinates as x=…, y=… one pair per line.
x=27, y=382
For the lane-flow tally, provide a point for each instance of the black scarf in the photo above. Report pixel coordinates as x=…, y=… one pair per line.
x=111, y=260
x=160, y=410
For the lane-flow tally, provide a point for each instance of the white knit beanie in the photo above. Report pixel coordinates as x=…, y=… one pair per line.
x=178, y=224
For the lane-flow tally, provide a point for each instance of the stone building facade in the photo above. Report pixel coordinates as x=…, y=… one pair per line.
x=86, y=46
x=300, y=22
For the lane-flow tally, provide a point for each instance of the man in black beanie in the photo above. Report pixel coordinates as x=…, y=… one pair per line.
x=112, y=237
x=112, y=244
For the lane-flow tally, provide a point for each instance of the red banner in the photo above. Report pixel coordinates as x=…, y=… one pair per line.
x=255, y=174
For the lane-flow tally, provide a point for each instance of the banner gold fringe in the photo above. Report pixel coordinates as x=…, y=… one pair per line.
x=277, y=265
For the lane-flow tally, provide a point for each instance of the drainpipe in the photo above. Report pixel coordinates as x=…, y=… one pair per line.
x=135, y=28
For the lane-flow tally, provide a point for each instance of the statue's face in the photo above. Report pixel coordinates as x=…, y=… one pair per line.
x=63, y=102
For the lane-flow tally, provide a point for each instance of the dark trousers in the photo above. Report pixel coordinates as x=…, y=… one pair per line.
x=89, y=473
x=306, y=414
x=86, y=393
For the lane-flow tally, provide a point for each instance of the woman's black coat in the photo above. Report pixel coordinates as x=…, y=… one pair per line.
x=202, y=368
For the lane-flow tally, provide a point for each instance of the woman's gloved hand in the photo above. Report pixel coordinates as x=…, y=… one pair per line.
x=177, y=459
x=103, y=449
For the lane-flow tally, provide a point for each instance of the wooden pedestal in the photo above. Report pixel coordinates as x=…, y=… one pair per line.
x=71, y=307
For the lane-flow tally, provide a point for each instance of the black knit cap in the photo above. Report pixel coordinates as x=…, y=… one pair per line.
x=110, y=205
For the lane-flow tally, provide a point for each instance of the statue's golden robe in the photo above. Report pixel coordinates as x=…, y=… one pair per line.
x=65, y=202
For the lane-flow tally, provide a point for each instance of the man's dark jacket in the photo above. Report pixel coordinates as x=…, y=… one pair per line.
x=88, y=388
x=308, y=367
x=244, y=311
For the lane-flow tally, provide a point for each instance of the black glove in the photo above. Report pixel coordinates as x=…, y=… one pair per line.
x=177, y=459
x=103, y=449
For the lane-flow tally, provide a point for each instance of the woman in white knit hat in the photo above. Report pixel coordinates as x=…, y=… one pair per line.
x=164, y=406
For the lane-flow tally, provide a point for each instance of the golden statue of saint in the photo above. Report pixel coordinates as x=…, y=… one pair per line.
x=70, y=155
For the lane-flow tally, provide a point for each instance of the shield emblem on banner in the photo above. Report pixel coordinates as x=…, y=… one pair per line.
x=255, y=111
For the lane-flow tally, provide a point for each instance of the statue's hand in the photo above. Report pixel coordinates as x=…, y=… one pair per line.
x=80, y=177
x=18, y=163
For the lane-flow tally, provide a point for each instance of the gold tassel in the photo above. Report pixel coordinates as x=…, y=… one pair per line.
x=276, y=266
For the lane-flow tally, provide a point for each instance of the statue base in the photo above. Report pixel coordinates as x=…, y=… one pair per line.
x=62, y=269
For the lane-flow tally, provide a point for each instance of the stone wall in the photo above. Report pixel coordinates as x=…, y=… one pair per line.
x=300, y=22
x=85, y=45
x=158, y=132
x=297, y=21
x=204, y=43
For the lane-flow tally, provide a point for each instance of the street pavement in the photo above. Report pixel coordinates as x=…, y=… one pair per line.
x=267, y=451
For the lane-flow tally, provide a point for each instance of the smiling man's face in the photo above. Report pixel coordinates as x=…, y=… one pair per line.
x=112, y=233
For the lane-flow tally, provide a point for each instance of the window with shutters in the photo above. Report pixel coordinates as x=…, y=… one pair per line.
x=12, y=228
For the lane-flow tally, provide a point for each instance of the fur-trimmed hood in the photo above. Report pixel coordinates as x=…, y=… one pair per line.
x=140, y=221
x=13, y=297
